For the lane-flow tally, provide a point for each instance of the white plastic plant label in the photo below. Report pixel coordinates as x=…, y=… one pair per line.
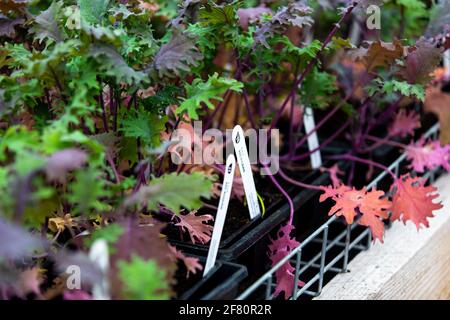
x=313, y=140
x=99, y=255
x=447, y=62
x=308, y=114
x=219, y=222
x=246, y=172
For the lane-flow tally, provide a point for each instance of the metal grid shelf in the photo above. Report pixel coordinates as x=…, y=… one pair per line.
x=317, y=266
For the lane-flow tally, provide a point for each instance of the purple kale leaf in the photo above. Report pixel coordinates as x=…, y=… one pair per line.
x=59, y=163
x=296, y=14
x=179, y=54
x=17, y=243
x=7, y=25
x=421, y=61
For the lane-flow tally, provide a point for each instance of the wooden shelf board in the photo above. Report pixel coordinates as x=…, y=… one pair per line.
x=409, y=265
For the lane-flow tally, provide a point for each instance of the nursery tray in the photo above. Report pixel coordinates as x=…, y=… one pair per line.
x=193, y=290
x=221, y=283
x=250, y=233
x=327, y=250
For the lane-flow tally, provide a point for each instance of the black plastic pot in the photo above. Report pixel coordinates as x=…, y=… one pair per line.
x=232, y=247
x=221, y=283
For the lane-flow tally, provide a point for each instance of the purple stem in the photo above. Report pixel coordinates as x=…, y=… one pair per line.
x=220, y=167
x=328, y=117
x=244, y=91
x=210, y=206
x=159, y=171
x=222, y=114
x=381, y=141
x=298, y=183
x=373, y=146
x=223, y=103
x=351, y=175
x=384, y=116
x=140, y=179
x=47, y=98
x=283, y=192
x=138, y=140
x=249, y=111
x=113, y=166
x=213, y=114
x=358, y=139
x=322, y=145
x=237, y=113
x=102, y=104
x=259, y=103
x=166, y=211
x=58, y=84
x=319, y=125
x=116, y=110
x=22, y=194
x=291, y=129
x=375, y=121
x=160, y=166
x=311, y=64
x=111, y=103
x=365, y=161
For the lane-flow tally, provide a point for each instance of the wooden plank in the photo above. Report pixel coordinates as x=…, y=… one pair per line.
x=426, y=275
x=409, y=265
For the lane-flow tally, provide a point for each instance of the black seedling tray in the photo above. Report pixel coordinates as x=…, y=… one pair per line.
x=221, y=283
x=249, y=234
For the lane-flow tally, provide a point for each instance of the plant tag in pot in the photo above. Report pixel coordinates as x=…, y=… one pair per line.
x=246, y=172
x=313, y=140
x=221, y=213
x=447, y=63
x=99, y=255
